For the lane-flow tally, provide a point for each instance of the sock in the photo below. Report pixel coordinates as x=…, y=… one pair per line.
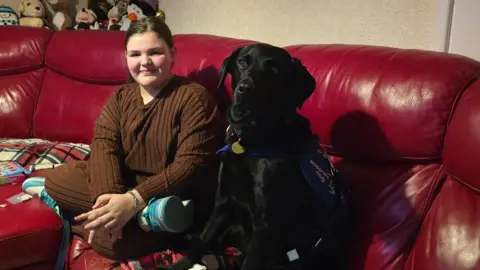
x=169, y=214
x=35, y=186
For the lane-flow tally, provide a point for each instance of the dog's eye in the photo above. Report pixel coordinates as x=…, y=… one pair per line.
x=28, y=4
x=241, y=63
x=275, y=70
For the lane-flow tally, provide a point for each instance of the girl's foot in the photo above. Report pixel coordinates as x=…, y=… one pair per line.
x=169, y=214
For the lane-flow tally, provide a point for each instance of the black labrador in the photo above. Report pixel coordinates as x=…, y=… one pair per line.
x=264, y=205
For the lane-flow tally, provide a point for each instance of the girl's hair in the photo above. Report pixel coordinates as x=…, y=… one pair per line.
x=150, y=24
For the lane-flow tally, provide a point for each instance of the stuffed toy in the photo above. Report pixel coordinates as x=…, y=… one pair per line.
x=86, y=19
x=103, y=8
x=136, y=10
x=31, y=13
x=8, y=16
x=57, y=14
x=116, y=13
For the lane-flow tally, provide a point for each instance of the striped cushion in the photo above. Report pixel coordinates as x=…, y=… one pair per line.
x=36, y=154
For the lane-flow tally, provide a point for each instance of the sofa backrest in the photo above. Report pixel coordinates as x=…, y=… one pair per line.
x=450, y=233
x=22, y=58
x=382, y=113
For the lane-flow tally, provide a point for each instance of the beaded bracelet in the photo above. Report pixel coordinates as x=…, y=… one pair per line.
x=135, y=201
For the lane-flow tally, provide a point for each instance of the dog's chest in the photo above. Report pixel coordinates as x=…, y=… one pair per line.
x=257, y=182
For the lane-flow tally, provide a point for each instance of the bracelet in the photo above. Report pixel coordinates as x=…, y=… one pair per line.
x=135, y=201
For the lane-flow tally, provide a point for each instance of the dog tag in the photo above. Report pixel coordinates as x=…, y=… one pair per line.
x=237, y=148
x=293, y=255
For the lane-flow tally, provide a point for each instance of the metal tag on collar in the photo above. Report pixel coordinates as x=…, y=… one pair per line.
x=237, y=148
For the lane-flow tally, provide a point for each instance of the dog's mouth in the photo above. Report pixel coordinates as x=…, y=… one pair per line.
x=239, y=111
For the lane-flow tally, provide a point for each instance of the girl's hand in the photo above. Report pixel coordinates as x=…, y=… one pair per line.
x=110, y=212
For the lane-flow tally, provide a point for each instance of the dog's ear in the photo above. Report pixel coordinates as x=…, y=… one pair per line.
x=228, y=65
x=303, y=82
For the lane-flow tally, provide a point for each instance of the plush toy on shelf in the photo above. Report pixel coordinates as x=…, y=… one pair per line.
x=8, y=16
x=86, y=19
x=116, y=13
x=103, y=8
x=57, y=14
x=32, y=13
x=136, y=10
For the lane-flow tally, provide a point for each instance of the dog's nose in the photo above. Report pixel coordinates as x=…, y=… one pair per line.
x=242, y=87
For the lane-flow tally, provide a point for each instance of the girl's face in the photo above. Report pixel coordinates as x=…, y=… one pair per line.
x=149, y=59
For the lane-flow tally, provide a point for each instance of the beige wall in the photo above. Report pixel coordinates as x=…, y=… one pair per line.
x=398, y=23
x=465, y=33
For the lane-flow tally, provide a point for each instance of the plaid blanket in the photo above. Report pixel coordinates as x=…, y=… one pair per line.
x=37, y=154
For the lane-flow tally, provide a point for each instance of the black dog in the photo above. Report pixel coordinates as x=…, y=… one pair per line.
x=265, y=206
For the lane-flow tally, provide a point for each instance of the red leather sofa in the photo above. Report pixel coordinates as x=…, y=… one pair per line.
x=402, y=126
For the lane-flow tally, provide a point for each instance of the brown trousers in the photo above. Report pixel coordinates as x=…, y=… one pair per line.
x=68, y=186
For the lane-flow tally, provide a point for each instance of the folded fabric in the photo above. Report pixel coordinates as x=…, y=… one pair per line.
x=168, y=214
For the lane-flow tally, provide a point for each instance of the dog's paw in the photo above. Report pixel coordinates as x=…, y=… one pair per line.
x=198, y=267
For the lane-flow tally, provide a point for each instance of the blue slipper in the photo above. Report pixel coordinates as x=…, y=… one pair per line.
x=169, y=214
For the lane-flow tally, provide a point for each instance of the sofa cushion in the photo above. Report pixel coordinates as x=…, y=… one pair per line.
x=30, y=232
x=67, y=108
x=21, y=73
x=450, y=235
x=83, y=69
x=462, y=143
x=390, y=202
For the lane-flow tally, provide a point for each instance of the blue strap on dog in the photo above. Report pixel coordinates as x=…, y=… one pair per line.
x=319, y=173
x=316, y=167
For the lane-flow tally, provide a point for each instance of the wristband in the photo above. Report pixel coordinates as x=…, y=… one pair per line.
x=135, y=201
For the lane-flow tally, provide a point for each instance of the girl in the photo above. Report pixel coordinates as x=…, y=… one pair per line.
x=154, y=143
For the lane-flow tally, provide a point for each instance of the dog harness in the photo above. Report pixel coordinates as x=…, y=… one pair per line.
x=316, y=167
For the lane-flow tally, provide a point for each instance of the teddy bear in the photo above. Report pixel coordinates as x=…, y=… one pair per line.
x=8, y=16
x=31, y=13
x=57, y=14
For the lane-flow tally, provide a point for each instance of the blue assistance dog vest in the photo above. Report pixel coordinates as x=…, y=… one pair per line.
x=317, y=169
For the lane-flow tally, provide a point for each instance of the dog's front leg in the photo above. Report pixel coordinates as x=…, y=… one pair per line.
x=260, y=248
x=217, y=223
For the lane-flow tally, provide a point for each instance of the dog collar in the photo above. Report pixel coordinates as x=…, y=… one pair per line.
x=239, y=149
x=235, y=147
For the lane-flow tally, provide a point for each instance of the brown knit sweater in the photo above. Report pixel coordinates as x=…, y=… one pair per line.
x=161, y=148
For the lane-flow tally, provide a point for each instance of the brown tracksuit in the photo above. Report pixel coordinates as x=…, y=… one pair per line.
x=166, y=147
